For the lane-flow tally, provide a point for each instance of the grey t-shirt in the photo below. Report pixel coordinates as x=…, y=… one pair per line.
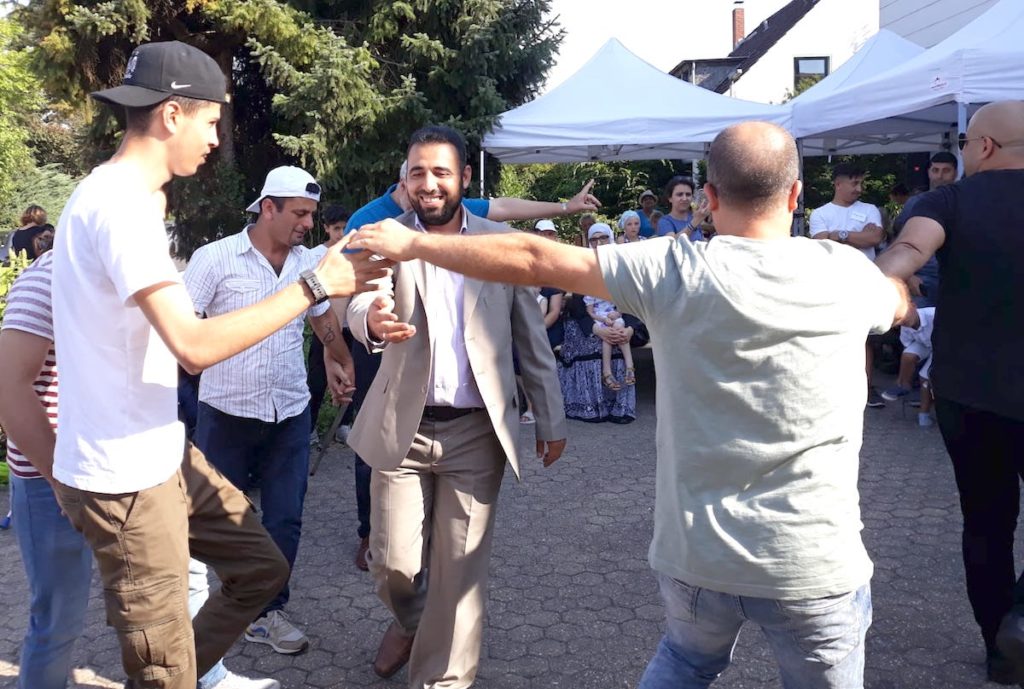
x=760, y=418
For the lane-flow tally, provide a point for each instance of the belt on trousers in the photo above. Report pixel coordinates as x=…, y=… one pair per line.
x=447, y=413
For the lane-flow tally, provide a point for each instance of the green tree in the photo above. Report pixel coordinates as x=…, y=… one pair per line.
x=335, y=86
x=20, y=101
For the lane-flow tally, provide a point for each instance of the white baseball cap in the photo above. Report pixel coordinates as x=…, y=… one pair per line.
x=287, y=182
x=545, y=226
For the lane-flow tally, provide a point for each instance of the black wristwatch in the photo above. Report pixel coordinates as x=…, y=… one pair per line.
x=313, y=282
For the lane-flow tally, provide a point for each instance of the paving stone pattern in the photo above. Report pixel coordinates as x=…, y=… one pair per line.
x=572, y=601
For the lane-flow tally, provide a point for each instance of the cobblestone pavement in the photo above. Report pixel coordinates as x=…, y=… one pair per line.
x=572, y=601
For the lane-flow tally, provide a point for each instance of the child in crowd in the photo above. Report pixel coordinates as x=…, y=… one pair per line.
x=605, y=315
x=917, y=348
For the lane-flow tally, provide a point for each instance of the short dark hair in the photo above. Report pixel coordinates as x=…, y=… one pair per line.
x=847, y=169
x=676, y=181
x=137, y=120
x=335, y=214
x=278, y=202
x=753, y=175
x=440, y=134
x=943, y=158
x=899, y=189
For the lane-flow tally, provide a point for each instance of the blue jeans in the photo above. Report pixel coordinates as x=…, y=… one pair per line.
x=276, y=457
x=58, y=564
x=818, y=643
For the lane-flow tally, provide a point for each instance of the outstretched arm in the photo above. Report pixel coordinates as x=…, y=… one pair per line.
x=504, y=209
x=510, y=257
x=920, y=239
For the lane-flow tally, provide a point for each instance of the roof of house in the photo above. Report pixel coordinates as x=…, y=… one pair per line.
x=754, y=45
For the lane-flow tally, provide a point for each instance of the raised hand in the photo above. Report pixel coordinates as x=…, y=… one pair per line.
x=388, y=238
x=344, y=274
x=584, y=200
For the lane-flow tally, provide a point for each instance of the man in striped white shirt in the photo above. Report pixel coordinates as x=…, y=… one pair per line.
x=58, y=562
x=254, y=416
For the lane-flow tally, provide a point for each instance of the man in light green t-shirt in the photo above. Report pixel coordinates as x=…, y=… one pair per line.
x=757, y=513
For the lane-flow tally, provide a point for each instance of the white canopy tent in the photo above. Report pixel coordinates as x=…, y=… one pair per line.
x=618, y=107
x=880, y=53
x=922, y=103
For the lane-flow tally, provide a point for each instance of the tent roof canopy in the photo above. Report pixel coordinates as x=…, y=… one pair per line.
x=914, y=105
x=648, y=115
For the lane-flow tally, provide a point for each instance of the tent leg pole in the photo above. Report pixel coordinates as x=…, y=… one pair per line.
x=961, y=128
x=799, y=222
x=482, y=173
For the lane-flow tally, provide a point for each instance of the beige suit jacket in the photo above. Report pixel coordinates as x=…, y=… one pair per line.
x=494, y=316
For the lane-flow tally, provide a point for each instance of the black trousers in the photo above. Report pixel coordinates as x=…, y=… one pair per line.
x=987, y=451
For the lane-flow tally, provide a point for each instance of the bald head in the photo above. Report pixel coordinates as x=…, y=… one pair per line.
x=995, y=137
x=753, y=166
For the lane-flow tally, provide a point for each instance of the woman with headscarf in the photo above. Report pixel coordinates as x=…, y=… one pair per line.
x=629, y=223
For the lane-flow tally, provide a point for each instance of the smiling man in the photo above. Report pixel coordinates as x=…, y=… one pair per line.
x=439, y=424
x=254, y=408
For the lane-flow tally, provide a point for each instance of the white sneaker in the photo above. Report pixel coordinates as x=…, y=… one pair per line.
x=276, y=631
x=233, y=681
x=341, y=435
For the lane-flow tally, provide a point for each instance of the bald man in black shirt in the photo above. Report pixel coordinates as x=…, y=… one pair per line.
x=976, y=229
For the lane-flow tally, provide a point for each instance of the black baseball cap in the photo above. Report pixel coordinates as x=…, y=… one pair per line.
x=171, y=68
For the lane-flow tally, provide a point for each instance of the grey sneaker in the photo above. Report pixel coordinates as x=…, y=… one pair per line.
x=233, y=681
x=276, y=631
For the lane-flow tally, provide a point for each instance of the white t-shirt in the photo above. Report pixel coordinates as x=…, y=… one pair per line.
x=119, y=428
x=759, y=425
x=850, y=218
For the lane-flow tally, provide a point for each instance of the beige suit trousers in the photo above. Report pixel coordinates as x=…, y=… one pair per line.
x=434, y=513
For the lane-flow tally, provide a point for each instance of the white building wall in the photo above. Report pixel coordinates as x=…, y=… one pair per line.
x=834, y=28
x=927, y=22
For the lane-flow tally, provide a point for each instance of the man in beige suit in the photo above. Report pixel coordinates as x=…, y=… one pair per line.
x=439, y=423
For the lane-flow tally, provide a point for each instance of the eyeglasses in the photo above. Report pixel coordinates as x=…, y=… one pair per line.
x=962, y=139
x=601, y=239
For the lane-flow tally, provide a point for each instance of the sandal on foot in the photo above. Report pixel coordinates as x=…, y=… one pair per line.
x=609, y=382
x=630, y=377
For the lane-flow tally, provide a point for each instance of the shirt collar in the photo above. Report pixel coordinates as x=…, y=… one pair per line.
x=462, y=230
x=244, y=243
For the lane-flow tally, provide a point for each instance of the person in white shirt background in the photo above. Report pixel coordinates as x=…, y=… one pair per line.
x=848, y=220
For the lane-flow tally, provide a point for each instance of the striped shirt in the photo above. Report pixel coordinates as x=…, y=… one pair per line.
x=29, y=309
x=268, y=380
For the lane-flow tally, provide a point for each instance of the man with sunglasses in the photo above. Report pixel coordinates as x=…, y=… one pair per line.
x=254, y=419
x=976, y=229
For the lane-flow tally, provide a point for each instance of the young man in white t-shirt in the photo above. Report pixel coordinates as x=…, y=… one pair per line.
x=757, y=514
x=848, y=220
x=123, y=320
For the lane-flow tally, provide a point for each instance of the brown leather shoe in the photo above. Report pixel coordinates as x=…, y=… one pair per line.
x=364, y=545
x=394, y=651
